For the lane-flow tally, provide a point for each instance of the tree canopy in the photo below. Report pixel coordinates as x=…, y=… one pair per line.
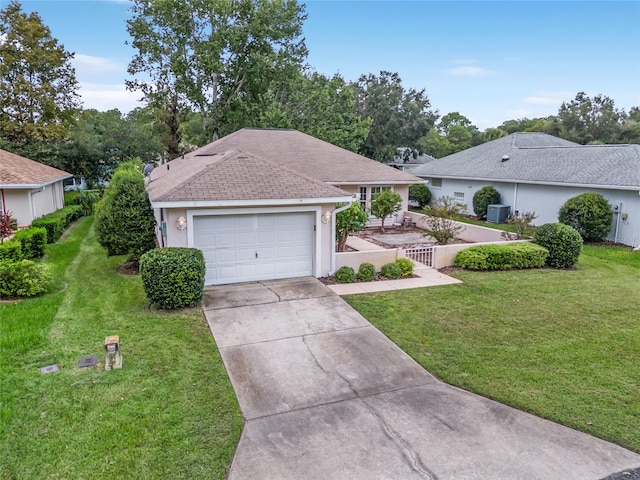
x=214, y=56
x=399, y=117
x=38, y=87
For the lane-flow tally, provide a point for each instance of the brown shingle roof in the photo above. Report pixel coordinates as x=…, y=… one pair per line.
x=16, y=171
x=232, y=176
x=309, y=155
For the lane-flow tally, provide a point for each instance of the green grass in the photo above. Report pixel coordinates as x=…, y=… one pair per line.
x=169, y=413
x=561, y=344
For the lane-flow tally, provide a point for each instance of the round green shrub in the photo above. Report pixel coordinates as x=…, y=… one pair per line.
x=563, y=242
x=589, y=213
x=420, y=193
x=345, y=275
x=483, y=198
x=23, y=278
x=391, y=271
x=173, y=277
x=406, y=265
x=366, y=272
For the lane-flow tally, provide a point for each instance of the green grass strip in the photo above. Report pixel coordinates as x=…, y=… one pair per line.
x=169, y=413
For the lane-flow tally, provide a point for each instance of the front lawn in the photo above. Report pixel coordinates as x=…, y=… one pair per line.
x=561, y=344
x=169, y=413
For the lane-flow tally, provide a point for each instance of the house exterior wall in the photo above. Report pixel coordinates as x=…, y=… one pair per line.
x=28, y=204
x=402, y=190
x=546, y=200
x=183, y=238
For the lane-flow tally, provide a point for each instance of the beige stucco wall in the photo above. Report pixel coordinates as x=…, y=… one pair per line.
x=376, y=257
x=28, y=204
x=177, y=238
x=471, y=233
x=444, y=255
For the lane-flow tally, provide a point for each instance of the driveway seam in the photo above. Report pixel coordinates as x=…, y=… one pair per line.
x=346, y=329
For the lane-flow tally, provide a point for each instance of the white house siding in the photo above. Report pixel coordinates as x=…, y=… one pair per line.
x=546, y=201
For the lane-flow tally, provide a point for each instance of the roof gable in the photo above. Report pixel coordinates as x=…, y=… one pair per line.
x=232, y=176
x=17, y=171
x=303, y=153
x=541, y=158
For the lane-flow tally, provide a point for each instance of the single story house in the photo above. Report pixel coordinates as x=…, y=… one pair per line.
x=261, y=203
x=537, y=172
x=29, y=189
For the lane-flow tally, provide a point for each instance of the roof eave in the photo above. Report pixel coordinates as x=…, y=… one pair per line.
x=377, y=182
x=248, y=203
x=536, y=182
x=25, y=186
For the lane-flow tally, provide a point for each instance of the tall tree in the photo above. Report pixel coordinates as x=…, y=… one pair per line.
x=453, y=133
x=585, y=119
x=38, y=87
x=399, y=117
x=213, y=56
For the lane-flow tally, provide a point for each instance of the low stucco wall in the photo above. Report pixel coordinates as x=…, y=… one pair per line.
x=377, y=257
x=470, y=233
x=444, y=255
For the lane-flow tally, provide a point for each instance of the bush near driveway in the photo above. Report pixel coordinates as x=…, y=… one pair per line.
x=391, y=271
x=173, y=277
x=366, y=272
x=345, y=275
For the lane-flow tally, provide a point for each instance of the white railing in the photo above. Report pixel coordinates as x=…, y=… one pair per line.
x=423, y=255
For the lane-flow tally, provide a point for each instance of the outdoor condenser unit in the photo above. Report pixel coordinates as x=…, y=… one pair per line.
x=498, y=213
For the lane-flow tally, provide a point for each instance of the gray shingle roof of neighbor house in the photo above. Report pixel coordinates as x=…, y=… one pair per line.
x=233, y=176
x=308, y=155
x=20, y=172
x=541, y=158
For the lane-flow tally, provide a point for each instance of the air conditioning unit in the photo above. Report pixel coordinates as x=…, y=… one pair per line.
x=498, y=213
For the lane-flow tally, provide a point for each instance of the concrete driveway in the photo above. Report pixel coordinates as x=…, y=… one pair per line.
x=325, y=395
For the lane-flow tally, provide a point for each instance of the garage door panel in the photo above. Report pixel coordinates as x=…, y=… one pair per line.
x=283, y=242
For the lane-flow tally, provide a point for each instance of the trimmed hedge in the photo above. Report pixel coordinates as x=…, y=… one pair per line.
x=366, y=272
x=391, y=271
x=563, y=242
x=502, y=257
x=406, y=265
x=23, y=278
x=11, y=250
x=345, y=275
x=589, y=213
x=33, y=241
x=56, y=222
x=173, y=277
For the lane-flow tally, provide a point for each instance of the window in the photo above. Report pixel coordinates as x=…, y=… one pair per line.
x=363, y=197
x=458, y=195
x=377, y=190
x=436, y=182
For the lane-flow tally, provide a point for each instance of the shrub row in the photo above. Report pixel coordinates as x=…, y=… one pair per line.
x=367, y=271
x=10, y=250
x=56, y=222
x=32, y=241
x=173, y=277
x=23, y=278
x=502, y=257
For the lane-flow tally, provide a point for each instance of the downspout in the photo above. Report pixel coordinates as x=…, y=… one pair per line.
x=618, y=212
x=515, y=199
x=4, y=205
x=333, y=232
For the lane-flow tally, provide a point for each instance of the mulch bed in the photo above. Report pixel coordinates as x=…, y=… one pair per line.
x=378, y=278
x=129, y=268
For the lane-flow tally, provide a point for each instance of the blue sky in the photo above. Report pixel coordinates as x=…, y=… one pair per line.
x=490, y=61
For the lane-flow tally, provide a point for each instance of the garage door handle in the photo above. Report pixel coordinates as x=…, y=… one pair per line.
x=256, y=254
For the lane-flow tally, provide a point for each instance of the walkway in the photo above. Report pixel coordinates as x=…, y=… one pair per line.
x=325, y=395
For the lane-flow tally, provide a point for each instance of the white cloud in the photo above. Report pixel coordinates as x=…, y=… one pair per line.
x=464, y=61
x=105, y=97
x=548, y=98
x=469, y=72
x=519, y=113
x=89, y=66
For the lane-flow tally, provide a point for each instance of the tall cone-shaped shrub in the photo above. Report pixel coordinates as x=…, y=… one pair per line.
x=124, y=220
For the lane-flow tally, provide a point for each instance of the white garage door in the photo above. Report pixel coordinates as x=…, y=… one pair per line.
x=245, y=248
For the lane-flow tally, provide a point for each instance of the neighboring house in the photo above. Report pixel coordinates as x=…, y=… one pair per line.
x=261, y=203
x=539, y=172
x=29, y=189
x=410, y=164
